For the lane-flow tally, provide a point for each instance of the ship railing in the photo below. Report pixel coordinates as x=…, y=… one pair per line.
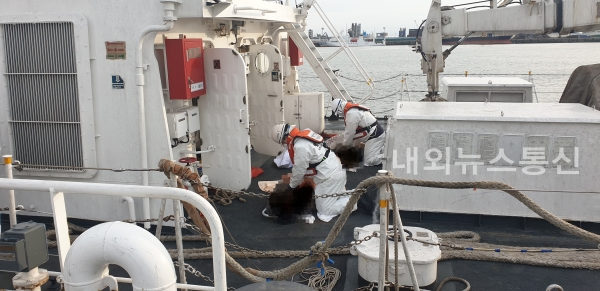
x=57, y=189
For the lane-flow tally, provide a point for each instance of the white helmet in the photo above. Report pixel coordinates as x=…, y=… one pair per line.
x=337, y=105
x=280, y=132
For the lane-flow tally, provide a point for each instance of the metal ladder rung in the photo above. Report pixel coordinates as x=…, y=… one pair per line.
x=312, y=55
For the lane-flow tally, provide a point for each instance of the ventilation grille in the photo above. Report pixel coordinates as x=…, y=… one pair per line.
x=41, y=74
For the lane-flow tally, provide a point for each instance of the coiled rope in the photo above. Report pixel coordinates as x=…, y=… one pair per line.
x=319, y=282
x=321, y=248
x=382, y=180
x=439, y=288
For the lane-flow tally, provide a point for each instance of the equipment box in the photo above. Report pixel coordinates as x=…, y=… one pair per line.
x=178, y=125
x=185, y=67
x=544, y=147
x=474, y=89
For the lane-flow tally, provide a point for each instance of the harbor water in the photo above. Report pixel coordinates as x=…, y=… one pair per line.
x=550, y=64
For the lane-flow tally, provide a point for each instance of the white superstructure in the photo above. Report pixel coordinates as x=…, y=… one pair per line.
x=86, y=85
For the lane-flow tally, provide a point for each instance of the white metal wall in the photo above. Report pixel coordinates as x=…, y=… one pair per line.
x=112, y=124
x=224, y=120
x=265, y=97
x=485, y=135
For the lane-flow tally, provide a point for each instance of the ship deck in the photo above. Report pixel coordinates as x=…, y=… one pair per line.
x=246, y=227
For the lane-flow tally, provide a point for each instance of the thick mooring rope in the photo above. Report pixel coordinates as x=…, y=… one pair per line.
x=556, y=258
x=382, y=180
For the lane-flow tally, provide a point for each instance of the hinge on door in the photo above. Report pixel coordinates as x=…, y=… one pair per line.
x=244, y=99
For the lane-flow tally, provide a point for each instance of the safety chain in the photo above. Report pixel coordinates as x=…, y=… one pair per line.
x=357, y=242
x=197, y=273
x=374, y=81
x=208, y=238
x=386, y=96
x=235, y=193
x=259, y=195
x=243, y=249
x=19, y=167
x=384, y=111
x=355, y=192
x=19, y=207
x=368, y=287
x=165, y=219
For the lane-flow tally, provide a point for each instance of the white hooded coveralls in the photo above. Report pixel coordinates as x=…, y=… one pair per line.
x=330, y=177
x=373, y=148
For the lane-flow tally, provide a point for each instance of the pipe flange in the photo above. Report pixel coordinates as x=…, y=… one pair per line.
x=28, y=281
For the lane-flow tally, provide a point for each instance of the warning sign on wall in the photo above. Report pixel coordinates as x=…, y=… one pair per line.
x=115, y=50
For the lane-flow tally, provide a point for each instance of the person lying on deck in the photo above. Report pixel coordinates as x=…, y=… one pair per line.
x=312, y=158
x=361, y=127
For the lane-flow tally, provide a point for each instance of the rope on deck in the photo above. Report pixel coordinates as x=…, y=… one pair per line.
x=320, y=248
x=574, y=260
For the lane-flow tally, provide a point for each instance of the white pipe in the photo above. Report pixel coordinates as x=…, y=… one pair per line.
x=130, y=206
x=161, y=214
x=409, y=263
x=169, y=7
x=128, y=281
x=12, y=214
x=178, y=240
x=137, y=251
x=194, y=199
x=210, y=149
x=383, y=228
x=110, y=282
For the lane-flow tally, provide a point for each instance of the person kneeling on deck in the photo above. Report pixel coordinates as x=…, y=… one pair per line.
x=311, y=158
x=361, y=126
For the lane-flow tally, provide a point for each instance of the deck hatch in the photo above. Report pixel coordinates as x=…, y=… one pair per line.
x=42, y=86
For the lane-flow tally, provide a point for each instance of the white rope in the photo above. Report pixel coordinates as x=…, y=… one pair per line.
x=318, y=282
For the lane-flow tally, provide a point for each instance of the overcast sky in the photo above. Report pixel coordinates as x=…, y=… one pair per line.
x=374, y=15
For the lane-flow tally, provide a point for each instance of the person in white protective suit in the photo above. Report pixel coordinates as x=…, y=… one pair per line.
x=311, y=158
x=361, y=126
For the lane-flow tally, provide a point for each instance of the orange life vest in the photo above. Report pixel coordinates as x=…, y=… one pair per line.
x=360, y=131
x=353, y=105
x=309, y=135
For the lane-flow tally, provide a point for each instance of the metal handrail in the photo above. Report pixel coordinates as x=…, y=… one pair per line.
x=344, y=47
x=58, y=188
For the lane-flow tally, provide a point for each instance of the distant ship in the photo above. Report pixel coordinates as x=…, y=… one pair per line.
x=322, y=40
x=354, y=38
x=413, y=33
x=325, y=42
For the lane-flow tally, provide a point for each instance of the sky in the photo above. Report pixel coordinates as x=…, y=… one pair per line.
x=374, y=15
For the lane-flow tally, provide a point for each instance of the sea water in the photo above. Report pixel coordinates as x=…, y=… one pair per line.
x=550, y=64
